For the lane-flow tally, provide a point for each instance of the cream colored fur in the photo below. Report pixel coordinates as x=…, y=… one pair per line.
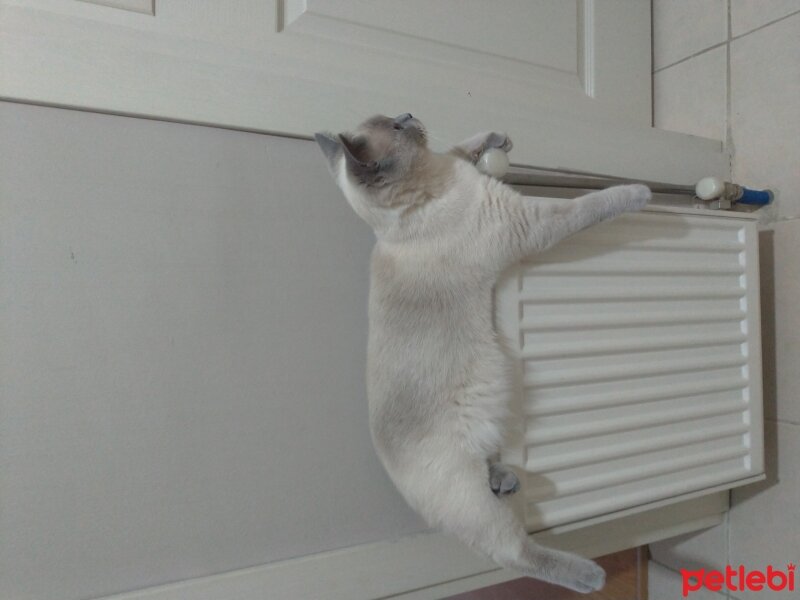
x=439, y=380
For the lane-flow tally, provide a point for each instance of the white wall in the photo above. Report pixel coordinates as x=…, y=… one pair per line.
x=727, y=69
x=184, y=326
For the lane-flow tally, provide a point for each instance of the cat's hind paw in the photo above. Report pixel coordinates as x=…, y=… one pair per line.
x=589, y=577
x=503, y=480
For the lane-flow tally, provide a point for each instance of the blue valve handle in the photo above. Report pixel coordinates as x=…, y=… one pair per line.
x=756, y=197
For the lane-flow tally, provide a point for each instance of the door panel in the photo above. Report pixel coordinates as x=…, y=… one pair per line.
x=478, y=35
x=578, y=71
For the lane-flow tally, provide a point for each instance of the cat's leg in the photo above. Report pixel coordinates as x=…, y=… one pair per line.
x=523, y=226
x=562, y=219
x=502, y=480
x=448, y=487
x=473, y=147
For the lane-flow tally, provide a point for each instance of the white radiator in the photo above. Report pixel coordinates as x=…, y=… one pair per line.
x=639, y=345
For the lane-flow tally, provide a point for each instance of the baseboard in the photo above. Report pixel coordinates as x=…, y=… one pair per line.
x=426, y=566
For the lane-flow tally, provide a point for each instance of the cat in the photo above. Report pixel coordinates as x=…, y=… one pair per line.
x=438, y=379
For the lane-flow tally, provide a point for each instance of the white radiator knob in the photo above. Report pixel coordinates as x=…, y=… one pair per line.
x=493, y=162
x=709, y=188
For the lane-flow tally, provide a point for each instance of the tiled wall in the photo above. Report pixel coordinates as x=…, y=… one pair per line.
x=730, y=70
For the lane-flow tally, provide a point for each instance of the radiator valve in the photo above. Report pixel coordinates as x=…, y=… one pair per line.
x=723, y=194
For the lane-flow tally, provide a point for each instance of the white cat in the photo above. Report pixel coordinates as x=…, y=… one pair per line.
x=439, y=382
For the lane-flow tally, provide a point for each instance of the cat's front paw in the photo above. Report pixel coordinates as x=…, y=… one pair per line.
x=638, y=196
x=498, y=140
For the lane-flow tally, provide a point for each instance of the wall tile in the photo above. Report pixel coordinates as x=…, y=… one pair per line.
x=690, y=97
x=765, y=121
x=746, y=15
x=699, y=549
x=684, y=27
x=665, y=584
x=764, y=524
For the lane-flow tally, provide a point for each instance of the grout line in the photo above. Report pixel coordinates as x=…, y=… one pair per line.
x=728, y=101
x=652, y=66
x=683, y=60
x=731, y=37
x=778, y=20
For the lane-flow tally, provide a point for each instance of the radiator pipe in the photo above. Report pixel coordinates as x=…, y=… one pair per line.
x=714, y=191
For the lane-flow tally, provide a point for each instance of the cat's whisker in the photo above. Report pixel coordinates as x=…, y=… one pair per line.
x=443, y=143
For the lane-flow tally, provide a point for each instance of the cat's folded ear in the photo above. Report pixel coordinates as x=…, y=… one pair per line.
x=331, y=147
x=336, y=146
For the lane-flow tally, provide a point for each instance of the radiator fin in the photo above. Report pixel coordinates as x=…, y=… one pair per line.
x=637, y=342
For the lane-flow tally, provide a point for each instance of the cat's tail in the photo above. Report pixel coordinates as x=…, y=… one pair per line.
x=453, y=493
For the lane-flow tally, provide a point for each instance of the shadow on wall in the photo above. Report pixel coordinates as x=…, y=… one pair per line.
x=766, y=251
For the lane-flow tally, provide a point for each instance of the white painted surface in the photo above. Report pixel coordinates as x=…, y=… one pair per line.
x=203, y=62
x=184, y=326
x=639, y=342
x=142, y=6
x=426, y=566
x=354, y=55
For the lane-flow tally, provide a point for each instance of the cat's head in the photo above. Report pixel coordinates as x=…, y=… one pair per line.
x=374, y=160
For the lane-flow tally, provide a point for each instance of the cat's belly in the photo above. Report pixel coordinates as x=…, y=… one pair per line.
x=428, y=386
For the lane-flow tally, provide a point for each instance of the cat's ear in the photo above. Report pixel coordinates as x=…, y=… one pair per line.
x=331, y=147
x=368, y=173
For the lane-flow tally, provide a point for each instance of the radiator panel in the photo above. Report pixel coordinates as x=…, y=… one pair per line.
x=639, y=354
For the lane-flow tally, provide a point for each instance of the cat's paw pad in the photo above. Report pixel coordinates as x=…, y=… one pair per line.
x=589, y=577
x=499, y=140
x=639, y=195
x=503, y=480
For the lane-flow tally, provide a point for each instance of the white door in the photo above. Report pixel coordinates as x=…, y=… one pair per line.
x=299, y=66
